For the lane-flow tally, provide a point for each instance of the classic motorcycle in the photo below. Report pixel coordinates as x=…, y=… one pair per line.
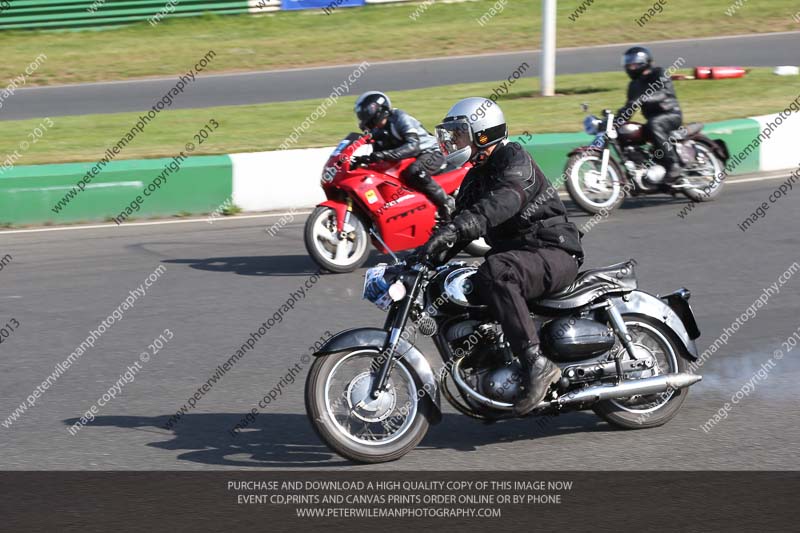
x=598, y=182
x=372, y=202
x=371, y=394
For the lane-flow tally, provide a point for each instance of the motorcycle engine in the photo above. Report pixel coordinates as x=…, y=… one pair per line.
x=491, y=368
x=500, y=383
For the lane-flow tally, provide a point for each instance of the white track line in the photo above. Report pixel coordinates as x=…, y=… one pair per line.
x=269, y=215
x=153, y=223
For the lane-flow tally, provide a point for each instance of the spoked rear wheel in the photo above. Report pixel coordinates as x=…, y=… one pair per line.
x=703, y=175
x=651, y=341
x=350, y=421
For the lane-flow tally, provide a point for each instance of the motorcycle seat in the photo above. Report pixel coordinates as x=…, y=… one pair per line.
x=590, y=285
x=690, y=130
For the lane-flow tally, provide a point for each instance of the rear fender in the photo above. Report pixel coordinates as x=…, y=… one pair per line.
x=410, y=356
x=718, y=146
x=642, y=303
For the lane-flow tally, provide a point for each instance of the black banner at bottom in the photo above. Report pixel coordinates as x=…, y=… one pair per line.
x=478, y=501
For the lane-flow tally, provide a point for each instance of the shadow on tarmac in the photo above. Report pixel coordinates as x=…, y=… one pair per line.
x=265, y=265
x=280, y=440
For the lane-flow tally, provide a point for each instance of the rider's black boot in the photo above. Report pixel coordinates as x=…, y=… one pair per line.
x=538, y=373
x=445, y=204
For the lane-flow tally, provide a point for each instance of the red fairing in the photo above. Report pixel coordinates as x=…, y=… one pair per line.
x=403, y=217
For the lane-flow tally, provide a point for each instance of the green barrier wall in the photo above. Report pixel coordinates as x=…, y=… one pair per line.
x=29, y=193
x=737, y=134
x=550, y=149
x=26, y=14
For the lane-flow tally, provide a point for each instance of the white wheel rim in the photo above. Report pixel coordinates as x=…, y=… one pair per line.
x=328, y=244
x=594, y=177
x=706, y=180
x=330, y=414
x=672, y=360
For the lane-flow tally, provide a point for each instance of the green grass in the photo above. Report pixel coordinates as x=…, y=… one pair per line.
x=265, y=127
x=373, y=33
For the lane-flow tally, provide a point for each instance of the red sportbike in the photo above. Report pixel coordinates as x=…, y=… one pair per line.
x=372, y=204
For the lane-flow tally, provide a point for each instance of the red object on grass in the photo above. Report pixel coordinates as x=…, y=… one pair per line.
x=719, y=73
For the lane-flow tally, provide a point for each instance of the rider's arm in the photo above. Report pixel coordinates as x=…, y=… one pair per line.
x=405, y=130
x=662, y=87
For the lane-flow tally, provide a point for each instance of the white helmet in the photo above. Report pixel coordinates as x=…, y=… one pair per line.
x=471, y=126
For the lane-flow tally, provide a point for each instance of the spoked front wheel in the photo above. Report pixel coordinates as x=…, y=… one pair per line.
x=593, y=192
x=353, y=423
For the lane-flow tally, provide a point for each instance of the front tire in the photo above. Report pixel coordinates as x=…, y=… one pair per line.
x=656, y=409
x=374, y=431
x=585, y=186
x=330, y=250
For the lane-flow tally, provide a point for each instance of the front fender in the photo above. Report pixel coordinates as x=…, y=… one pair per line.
x=340, y=208
x=646, y=304
x=409, y=356
x=584, y=149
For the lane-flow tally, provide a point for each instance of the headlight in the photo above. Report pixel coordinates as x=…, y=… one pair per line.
x=591, y=125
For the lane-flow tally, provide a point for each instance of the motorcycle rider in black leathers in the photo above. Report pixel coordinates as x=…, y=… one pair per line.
x=651, y=90
x=535, y=250
x=397, y=135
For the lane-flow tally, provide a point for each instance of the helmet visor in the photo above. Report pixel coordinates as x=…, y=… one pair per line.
x=635, y=58
x=454, y=135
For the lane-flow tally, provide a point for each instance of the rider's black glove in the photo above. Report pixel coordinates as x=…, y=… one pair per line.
x=361, y=160
x=377, y=156
x=440, y=243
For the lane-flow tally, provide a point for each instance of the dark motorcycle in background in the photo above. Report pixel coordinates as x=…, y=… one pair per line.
x=371, y=394
x=598, y=181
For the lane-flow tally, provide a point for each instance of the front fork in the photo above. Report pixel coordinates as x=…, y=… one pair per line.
x=395, y=324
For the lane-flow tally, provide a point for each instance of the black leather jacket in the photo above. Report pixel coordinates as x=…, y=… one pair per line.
x=402, y=137
x=510, y=202
x=661, y=99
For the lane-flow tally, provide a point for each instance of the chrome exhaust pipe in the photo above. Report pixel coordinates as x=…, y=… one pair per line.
x=624, y=389
x=632, y=387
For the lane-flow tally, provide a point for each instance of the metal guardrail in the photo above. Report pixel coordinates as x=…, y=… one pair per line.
x=87, y=14
x=55, y=14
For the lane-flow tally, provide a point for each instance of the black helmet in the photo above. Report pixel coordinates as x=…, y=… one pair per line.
x=636, y=60
x=371, y=108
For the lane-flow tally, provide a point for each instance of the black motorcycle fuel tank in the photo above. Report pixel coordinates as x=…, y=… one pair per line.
x=574, y=339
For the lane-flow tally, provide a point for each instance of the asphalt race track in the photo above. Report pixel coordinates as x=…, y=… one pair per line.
x=223, y=280
x=285, y=85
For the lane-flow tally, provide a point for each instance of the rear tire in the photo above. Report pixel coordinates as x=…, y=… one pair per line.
x=575, y=182
x=332, y=435
x=700, y=194
x=615, y=413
